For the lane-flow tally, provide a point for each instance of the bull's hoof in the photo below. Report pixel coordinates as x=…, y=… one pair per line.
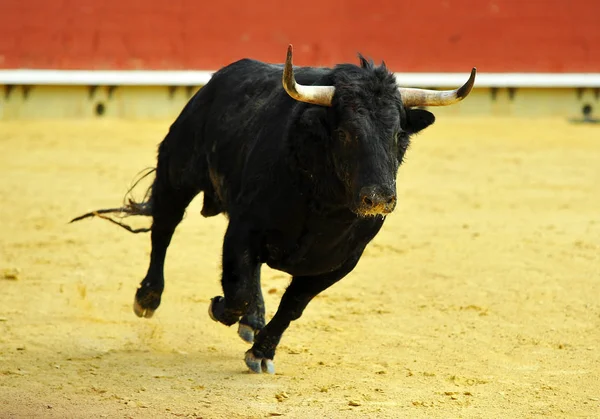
x=217, y=312
x=214, y=302
x=140, y=311
x=146, y=302
x=259, y=365
x=251, y=323
x=246, y=332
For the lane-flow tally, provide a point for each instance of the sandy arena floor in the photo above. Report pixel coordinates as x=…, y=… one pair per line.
x=480, y=298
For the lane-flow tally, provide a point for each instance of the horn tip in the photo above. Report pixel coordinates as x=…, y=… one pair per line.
x=288, y=73
x=288, y=59
x=466, y=88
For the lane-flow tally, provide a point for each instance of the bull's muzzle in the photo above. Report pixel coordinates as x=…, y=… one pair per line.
x=376, y=200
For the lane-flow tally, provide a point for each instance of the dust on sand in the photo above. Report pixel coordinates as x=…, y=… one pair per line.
x=480, y=297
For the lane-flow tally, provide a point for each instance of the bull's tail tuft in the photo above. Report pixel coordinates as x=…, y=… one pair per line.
x=130, y=206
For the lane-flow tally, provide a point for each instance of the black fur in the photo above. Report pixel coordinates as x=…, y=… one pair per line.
x=305, y=187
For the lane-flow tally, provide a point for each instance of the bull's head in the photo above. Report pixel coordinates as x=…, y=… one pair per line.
x=370, y=123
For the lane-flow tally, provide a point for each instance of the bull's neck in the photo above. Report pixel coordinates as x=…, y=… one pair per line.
x=311, y=169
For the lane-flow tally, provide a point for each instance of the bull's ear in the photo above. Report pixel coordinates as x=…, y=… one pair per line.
x=418, y=119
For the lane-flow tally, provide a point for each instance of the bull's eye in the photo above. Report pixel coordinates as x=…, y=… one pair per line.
x=396, y=136
x=341, y=135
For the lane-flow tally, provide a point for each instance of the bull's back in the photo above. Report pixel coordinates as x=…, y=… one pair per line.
x=246, y=95
x=246, y=113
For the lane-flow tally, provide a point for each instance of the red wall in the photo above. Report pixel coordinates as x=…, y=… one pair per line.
x=411, y=35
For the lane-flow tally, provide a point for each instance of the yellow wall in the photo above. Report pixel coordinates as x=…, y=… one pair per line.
x=135, y=102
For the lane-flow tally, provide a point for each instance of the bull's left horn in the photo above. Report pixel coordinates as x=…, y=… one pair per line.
x=317, y=95
x=423, y=97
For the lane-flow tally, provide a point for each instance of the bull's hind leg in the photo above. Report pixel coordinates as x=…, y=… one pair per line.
x=295, y=299
x=168, y=208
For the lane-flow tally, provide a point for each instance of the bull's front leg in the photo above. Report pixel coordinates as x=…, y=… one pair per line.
x=242, y=301
x=300, y=292
x=254, y=319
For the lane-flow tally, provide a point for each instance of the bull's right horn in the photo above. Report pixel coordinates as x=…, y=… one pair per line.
x=317, y=95
x=422, y=97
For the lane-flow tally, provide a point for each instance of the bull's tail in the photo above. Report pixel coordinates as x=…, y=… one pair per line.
x=130, y=206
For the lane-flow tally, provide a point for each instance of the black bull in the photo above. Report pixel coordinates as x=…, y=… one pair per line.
x=305, y=171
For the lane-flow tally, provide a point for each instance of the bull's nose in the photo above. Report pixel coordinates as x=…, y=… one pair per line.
x=376, y=200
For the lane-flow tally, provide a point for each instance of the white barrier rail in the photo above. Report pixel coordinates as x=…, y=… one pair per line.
x=200, y=78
